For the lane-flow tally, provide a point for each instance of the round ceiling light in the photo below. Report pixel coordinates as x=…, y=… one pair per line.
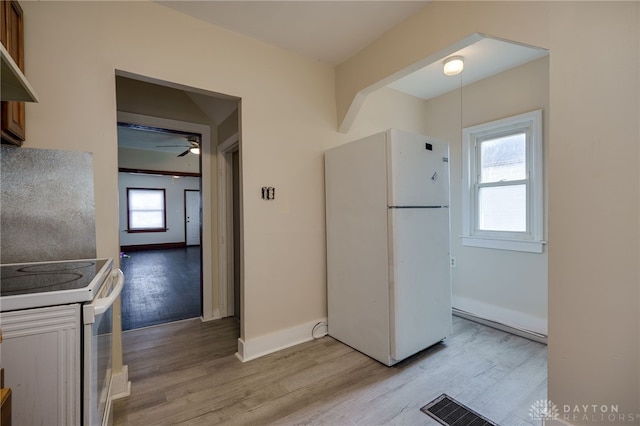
x=453, y=65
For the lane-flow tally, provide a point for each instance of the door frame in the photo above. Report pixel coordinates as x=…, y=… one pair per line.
x=225, y=226
x=206, y=242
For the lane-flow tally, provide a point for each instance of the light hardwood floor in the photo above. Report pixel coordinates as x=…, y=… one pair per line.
x=186, y=373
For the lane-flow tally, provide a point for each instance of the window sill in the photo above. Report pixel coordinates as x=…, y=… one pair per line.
x=528, y=246
x=140, y=231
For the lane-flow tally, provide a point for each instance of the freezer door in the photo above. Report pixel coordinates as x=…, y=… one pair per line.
x=418, y=170
x=420, y=287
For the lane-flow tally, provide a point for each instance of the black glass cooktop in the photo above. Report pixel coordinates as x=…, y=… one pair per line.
x=31, y=278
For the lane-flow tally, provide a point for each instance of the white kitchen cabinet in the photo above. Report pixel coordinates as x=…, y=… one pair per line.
x=40, y=354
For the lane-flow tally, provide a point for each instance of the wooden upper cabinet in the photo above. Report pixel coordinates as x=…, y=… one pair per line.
x=12, y=36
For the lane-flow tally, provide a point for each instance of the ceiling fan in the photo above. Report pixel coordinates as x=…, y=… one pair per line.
x=193, y=148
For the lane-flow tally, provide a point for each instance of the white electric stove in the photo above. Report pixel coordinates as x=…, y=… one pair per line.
x=36, y=284
x=60, y=309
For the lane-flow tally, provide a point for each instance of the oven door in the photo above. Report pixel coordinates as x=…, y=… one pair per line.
x=97, y=319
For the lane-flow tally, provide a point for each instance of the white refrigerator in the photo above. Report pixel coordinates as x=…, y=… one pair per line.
x=388, y=270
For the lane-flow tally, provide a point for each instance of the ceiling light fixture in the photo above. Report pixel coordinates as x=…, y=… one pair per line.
x=194, y=150
x=453, y=65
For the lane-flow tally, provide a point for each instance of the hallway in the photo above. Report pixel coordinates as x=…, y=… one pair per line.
x=160, y=286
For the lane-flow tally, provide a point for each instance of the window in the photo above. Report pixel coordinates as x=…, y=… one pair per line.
x=146, y=210
x=502, y=188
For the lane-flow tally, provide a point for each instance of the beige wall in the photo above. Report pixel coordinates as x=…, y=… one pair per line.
x=228, y=127
x=500, y=285
x=288, y=115
x=593, y=204
x=386, y=108
x=594, y=326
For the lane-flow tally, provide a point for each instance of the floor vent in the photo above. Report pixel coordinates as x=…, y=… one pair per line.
x=450, y=412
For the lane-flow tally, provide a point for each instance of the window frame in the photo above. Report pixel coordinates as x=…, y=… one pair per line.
x=163, y=228
x=530, y=240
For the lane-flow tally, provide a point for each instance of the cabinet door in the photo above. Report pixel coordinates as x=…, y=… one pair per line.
x=41, y=361
x=13, y=113
x=5, y=27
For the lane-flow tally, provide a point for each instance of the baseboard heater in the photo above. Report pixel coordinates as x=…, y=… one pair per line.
x=159, y=246
x=527, y=334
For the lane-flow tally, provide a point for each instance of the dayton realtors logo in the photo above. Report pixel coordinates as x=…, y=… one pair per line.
x=599, y=414
x=544, y=409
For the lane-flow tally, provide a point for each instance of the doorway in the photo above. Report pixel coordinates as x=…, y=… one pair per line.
x=192, y=217
x=151, y=102
x=235, y=219
x=159, y=170
x=230, y=227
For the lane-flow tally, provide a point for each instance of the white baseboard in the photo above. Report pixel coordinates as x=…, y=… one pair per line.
x=215, y=316
x=240, y=353
x=120, y=384
x=264, y=345
x=516, y=319
x=528, y=334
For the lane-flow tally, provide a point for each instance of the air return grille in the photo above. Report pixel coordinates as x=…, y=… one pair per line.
x=450, y=412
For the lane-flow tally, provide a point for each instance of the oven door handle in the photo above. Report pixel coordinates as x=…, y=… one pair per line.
x=100, y=306
x=103, y=304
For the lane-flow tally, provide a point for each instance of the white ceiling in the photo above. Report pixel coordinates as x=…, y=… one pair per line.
x=333, y=31
x=326, y=31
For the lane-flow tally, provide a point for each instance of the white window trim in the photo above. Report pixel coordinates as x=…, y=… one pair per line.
x=531, y=241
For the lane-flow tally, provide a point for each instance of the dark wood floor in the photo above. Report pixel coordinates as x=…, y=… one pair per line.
x=186, y=373
x=160, y=286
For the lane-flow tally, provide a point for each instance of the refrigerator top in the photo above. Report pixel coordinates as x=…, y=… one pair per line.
x=417, y=170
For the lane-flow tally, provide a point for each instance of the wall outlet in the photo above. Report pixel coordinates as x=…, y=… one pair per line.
x=453, y=262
